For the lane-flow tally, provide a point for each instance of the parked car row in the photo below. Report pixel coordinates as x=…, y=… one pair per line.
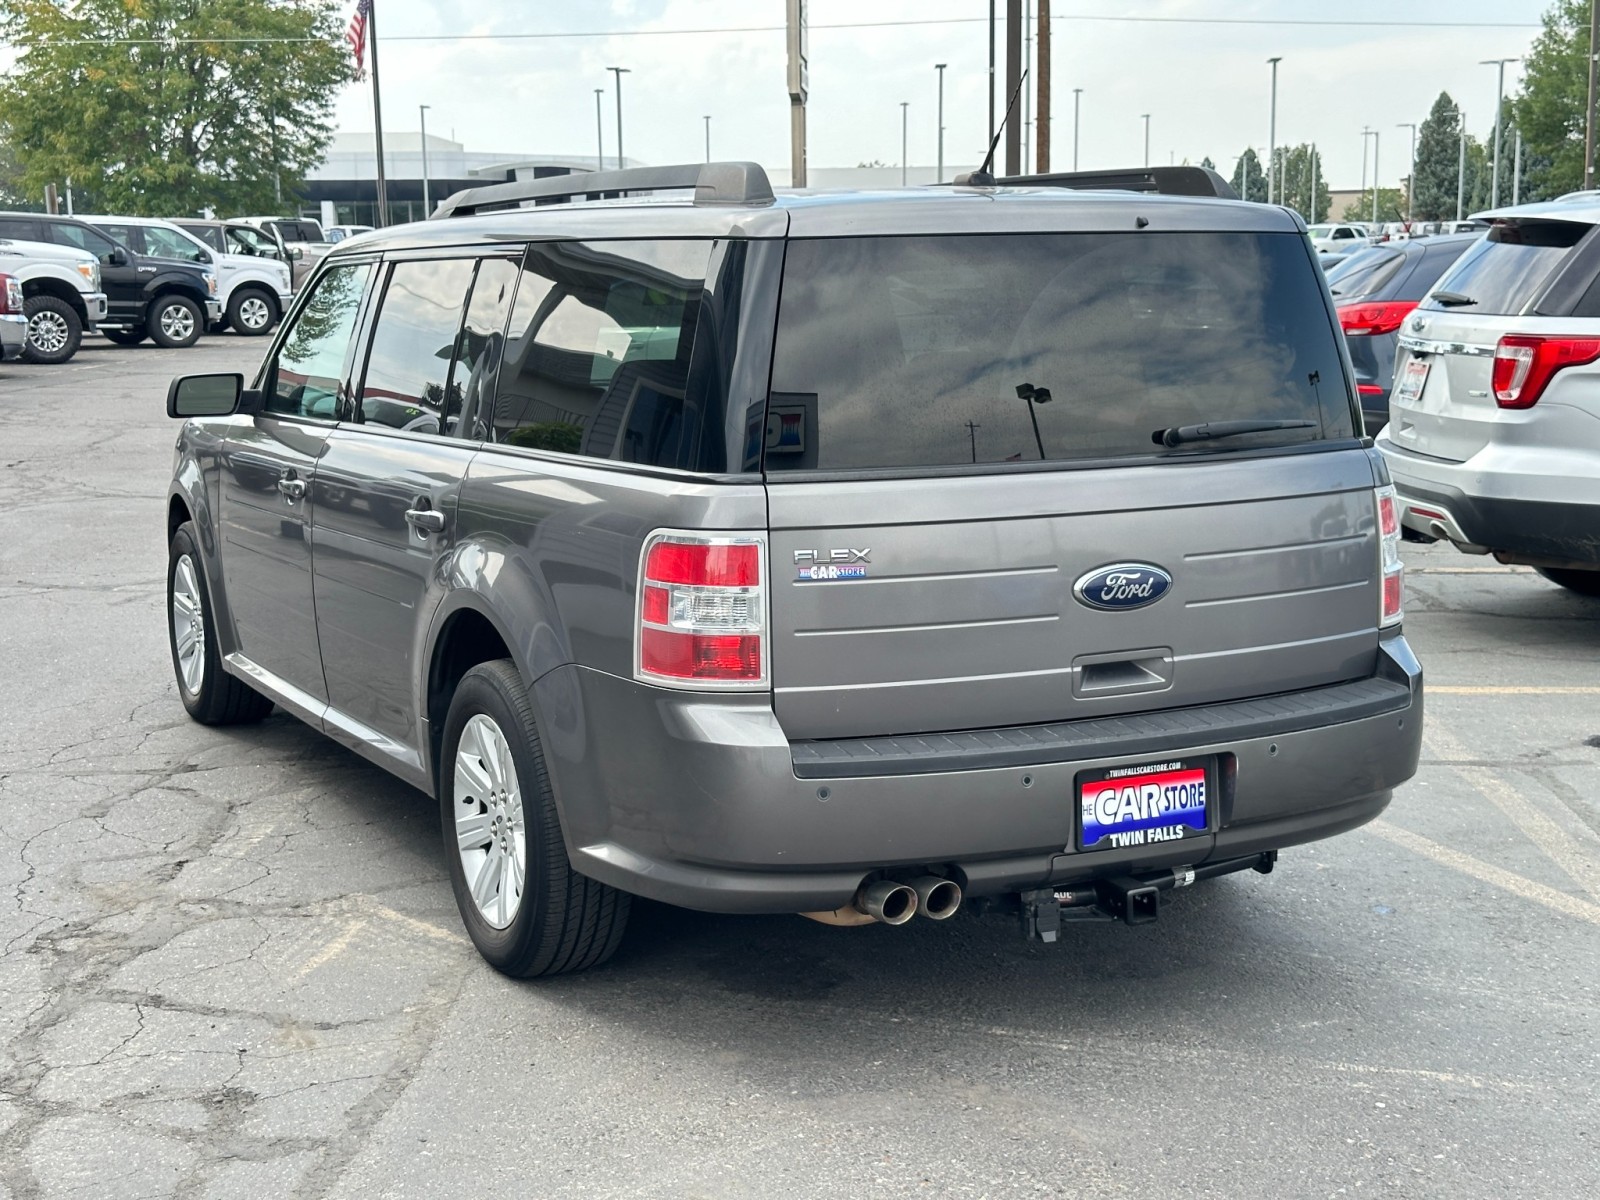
x=139, y=278
x=1349, y=236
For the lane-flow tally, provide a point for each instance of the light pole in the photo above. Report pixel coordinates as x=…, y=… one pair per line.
x=1461, y=167
x=905, y=106
x=1366, y=132
x=1588, y=110
x=1077, y=95
x=939, y=67
x=599, y=132
x=619, y=72
x=1411, y=179
x=1375, y=176
x=1146, y=118
x=708, y=137
x=1272, y=129
x=427, y=202
x=1499, y=102
x=1516, y=171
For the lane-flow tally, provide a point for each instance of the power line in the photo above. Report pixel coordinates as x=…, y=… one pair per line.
x=1311, y=22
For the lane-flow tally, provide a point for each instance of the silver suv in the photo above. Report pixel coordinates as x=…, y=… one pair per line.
x=1494, y=432
x=849, y=555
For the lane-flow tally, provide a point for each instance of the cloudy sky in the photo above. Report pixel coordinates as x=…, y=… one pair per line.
x=1200, y=71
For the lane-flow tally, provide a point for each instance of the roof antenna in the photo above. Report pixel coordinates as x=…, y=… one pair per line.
x=983, y=177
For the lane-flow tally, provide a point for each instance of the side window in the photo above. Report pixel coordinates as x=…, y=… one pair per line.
x=413, y=346
x=1343, y=233
x=82, y=237
x=128, y=235
x=169, y=243
x=22, y=230
x=246, y=241
x=479, y=350
x=305, y=380
x=598, y=352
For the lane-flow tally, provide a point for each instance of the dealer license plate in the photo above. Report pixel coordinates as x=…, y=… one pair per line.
x=1145, y=805
x=1413, y=380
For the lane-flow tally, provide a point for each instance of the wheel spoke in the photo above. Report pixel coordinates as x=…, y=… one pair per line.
x=483, y=887
x=186, y=641
x=472, y=832
x=471, y=779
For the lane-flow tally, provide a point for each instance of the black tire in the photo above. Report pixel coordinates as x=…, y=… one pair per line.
x=175, y=322
x=54, y=330
x=251, y=312
x=1585, y=583
x=564, y=921
x=217, y=697
x=125, y=337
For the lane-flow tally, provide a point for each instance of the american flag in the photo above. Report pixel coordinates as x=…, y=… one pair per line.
x=357, y=37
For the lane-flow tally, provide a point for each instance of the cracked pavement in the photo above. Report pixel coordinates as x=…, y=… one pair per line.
x=230, y=963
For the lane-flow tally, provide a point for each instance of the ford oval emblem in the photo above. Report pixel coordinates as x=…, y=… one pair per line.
x=1122, y=585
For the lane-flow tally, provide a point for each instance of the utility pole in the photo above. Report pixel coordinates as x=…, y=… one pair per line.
x=1027, y=64
x=1375, y=176
x=1013, y=80
x=1312, y=215
x=1366, y=132
x=1411, y=179
x=1145, y=117
x=599, y=132
x=1461, y=167
x=939, y=67
x=708, y=137
x=1041, y=119
x=798, y=82
x=1077, y=95
x=1272, y=131
x=1588, y=113
x=1516, y=172
x=905, y=106
x=1499, y=103
x=619, y=72
x=427, y=200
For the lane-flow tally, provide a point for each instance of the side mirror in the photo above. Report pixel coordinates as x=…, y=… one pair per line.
x=206, y=395
x=118, y=257
x=296, y=253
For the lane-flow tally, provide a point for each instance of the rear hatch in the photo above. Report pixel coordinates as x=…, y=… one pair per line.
x=1442, y=403
x=972, y=523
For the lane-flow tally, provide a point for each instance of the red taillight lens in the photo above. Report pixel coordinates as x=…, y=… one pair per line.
x=1524, y=364
x=1390, y=569
x=10, y=295
x=1365, y=320
x=1368, y=389
x=702, y=611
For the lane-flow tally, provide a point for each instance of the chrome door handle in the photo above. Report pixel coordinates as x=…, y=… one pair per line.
x=426, y=520
x=292, y=487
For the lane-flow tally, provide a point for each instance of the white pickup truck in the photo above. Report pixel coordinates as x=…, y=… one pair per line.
x=62, y=296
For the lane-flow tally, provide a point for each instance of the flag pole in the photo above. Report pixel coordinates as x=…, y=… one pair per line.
x=377, y=114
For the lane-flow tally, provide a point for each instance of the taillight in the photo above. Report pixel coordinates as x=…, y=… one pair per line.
x=702, y=611
x=10, y=295
x=1524, y=364
x=1366, y=320
x=1390, y=568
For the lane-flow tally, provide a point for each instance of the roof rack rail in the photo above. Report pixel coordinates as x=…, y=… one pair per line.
x=713, y=183
x=1165, y=181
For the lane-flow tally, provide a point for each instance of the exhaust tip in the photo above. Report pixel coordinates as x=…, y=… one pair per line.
x=889, y=902
x=937, y=899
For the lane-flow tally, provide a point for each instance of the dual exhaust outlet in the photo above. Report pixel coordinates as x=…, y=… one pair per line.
x=893, y=902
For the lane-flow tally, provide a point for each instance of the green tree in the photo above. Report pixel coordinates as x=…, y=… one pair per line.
x=1301, y=173
x=1208, y=164
x=1391, y=206
x=1550, y=107
x=1249, y=179
x=1433, y=194
x=165, y=107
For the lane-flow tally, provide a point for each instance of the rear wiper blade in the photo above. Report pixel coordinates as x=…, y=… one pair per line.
x=1180, y=434
x=1452, y=299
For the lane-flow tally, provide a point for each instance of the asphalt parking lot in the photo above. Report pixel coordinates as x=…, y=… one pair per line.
x=232, y=966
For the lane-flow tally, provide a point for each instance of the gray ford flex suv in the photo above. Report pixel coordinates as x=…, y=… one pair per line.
x=849, y=555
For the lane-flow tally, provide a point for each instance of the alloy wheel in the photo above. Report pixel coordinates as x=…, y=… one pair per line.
x=188, y=625
x=491, y=834
x=177, y=322
x=48, y=332
x=254, y=313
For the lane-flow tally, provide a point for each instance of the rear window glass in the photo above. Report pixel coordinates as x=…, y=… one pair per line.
x=902, y=352
x=1364, y=273
x=1504, y=273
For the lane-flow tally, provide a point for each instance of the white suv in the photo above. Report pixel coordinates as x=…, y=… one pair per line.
x=1493, y=439
x=254, y=292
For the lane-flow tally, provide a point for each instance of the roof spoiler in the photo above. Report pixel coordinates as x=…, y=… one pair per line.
x=713, y=183
x=1165, y=181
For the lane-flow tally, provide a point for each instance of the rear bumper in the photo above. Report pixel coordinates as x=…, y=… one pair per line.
x=1474, y=510
x=696, y=800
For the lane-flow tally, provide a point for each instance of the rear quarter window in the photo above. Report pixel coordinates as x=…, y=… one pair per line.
x=907, y=352
x=1505, y=273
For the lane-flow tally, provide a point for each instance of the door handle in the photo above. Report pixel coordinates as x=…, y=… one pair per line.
x=426, y=520
x=292, y=487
